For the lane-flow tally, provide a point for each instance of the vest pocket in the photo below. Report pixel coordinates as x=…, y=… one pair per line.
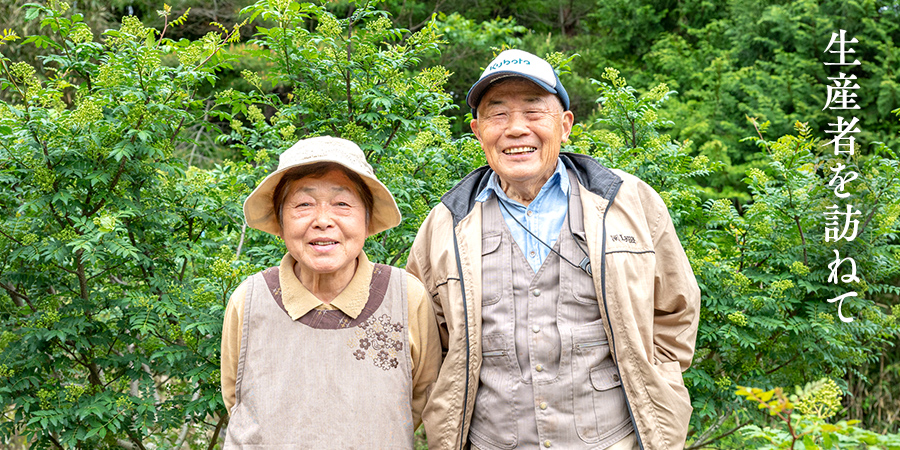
x=599, y=403
x=583, y=285
x=491, y=289
x=605, y=378
x=493, y=420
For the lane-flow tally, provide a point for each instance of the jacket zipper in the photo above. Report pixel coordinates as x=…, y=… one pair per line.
x=462, y=286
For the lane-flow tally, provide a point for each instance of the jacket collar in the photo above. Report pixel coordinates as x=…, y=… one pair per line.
x=592, y=175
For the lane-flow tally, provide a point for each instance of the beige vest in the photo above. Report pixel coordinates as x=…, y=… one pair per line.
x=547, y=377
x=326, y=380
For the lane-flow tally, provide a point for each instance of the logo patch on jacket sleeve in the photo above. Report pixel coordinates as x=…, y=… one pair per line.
x=623, y=238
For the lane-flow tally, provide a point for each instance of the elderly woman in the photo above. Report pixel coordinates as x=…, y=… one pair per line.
x=327, y=350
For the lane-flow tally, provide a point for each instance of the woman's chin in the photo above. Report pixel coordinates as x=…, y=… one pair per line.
x=325, y=266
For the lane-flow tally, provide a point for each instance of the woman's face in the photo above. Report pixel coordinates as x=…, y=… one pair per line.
x=324, y=224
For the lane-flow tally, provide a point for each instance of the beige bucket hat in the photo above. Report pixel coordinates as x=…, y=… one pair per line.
x=259, y=208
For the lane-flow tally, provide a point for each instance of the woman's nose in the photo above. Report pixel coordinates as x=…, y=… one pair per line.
x=322, y=218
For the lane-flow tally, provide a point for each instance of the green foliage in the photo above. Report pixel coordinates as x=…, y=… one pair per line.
x=120, y=259
x=113, y=273
x=763, y=270
x=627, y=137
x=803, y=418
x=469, y=41
x=765, y=60
x=354, y=78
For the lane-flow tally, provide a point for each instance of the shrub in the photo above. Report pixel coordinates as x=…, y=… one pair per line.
x=114, y=270
x=804, y=417
x=763, y=270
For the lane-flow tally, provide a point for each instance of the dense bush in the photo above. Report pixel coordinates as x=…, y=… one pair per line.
x=115, y=263
x=356, y=78
x=803, y=417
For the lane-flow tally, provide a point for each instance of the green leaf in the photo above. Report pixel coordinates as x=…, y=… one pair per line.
x=32, y=12
x=827, y=440
x=809, y=444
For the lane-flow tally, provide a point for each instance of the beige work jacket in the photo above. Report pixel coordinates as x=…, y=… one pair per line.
x=647, y=294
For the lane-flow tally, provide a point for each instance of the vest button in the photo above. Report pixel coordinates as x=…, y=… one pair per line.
x=615, y=377
x=536, y=292
x=536, y=329
x=539, y=367
x=543, y=405
x=547, y=444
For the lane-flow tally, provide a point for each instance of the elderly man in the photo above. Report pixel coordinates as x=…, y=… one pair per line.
x=566, y=304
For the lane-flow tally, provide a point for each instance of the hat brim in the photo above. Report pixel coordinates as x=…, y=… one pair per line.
x=259, y=207
x=473, y=98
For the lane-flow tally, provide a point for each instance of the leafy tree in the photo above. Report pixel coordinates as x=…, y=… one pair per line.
x=467, y=46
x=355, y=78
x=119, y=258
x=113, y=272
x=765, y=60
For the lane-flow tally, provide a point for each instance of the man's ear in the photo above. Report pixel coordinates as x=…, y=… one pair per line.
x=568, y=120
x=474, y=126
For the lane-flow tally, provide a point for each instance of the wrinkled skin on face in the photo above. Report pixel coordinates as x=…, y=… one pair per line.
x=324, y=229
x=521, y=127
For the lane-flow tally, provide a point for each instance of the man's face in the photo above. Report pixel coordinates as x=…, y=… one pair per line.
x=521, y=127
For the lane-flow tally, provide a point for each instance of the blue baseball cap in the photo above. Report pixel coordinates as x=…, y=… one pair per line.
x=517, y=63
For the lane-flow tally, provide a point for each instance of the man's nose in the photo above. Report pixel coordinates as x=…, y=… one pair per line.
x=517, y=125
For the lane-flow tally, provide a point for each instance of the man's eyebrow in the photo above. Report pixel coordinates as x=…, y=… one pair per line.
x=531, y=99
x=536, y=100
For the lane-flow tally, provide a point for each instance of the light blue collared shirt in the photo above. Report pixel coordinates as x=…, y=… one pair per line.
x=544, y=216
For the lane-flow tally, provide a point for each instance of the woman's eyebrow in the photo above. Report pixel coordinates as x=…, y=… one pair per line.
x=310, y=189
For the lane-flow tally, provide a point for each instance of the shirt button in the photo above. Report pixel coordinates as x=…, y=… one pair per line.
x=531, y=254
x=536, y=292
x=539, y=367
x=536, y=329
x=530, y=213
x=547, y=444
x=543, y=405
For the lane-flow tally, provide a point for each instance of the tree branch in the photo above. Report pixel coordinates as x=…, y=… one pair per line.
x=212, y=442
x=54, y=441
x=182, y=435
x=347, y=74
x=17, y=296
x=241, y=242
x=135, y=440
x=802, y=239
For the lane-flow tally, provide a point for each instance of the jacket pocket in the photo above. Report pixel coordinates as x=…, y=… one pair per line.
x=491, y=289
x=494, y=418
